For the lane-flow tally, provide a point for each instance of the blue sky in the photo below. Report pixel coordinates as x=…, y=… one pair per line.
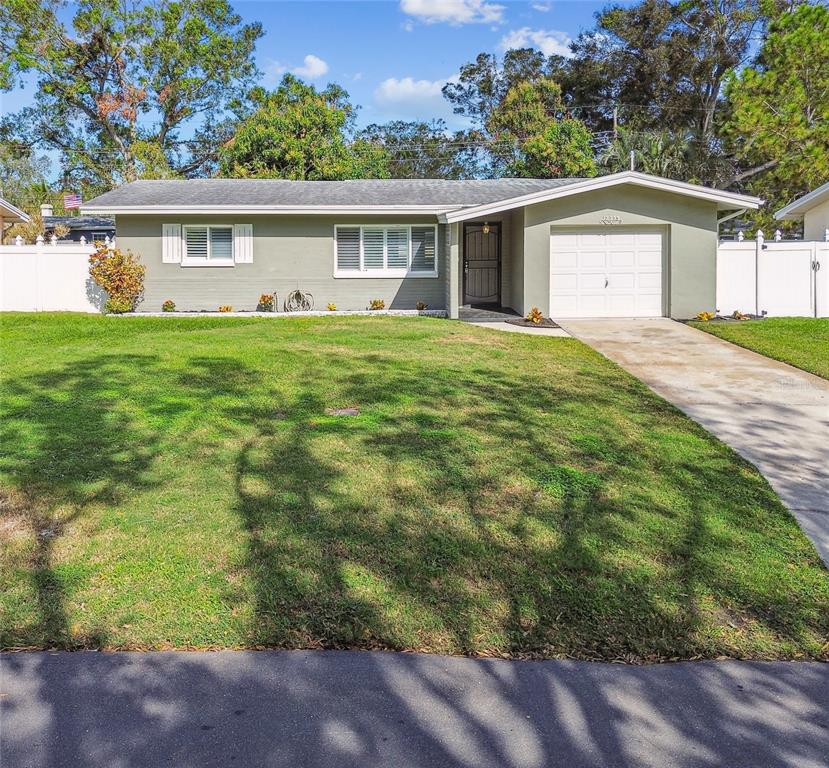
x=393, y=56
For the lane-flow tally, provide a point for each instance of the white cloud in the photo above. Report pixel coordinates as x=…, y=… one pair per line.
x=408, y=99
x=312, y=67
x=548, y=41
x=453, y=11
x=542, y=7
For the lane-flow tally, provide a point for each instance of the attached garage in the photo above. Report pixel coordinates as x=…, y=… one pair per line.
x=601, y=273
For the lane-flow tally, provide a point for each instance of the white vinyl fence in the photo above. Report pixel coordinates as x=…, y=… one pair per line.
x=779, y=278
x=48, y=277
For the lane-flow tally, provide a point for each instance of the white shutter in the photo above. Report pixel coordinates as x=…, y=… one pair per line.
x=243, y=243
x=171, y=243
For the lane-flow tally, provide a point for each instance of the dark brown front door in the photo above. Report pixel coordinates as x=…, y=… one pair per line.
x=482, y=264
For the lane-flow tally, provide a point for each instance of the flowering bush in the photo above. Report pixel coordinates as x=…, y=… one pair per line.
x=377, y=304
x=535, y=315
x=225, y=308
x=266, y=302
x=168, y=306
x=120, y=274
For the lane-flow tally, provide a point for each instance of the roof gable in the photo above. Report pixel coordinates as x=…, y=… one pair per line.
x=797, y=208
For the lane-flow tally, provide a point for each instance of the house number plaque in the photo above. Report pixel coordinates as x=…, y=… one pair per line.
x=610, y=220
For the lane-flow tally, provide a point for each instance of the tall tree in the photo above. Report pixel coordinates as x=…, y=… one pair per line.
x=532, y=135
x=780, y=109
x=423, y=150
x=118, y=86
x=298, y=132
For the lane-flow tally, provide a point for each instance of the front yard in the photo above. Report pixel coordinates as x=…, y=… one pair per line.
x=188, y=483
x=799, y=341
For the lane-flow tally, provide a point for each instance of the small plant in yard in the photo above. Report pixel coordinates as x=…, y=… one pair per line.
x=705, y=317
x=535, y=315
x=226, y=308
x=120, y=274
x=421, y=305
x=168, y=306
x=332, y=307
x=737, y=315
x=377, y=304
x=266, y=302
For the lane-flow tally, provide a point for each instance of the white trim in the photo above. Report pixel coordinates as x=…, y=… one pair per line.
x=724, y=199
x=191, y=261
x=385, y=273
x=6, y=206
x=231, y=210
x=794, y=211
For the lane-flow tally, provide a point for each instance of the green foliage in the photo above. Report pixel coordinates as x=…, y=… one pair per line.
x=534, y=137
x=661, y=153
x=423, y=150
x=120, y=274
x=168, y=306
x=266, y=302
x=298, y=132
x=780, y=109
x=119, y=82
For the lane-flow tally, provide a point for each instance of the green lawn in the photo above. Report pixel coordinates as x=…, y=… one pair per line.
x=181, y=483
x=799, y=341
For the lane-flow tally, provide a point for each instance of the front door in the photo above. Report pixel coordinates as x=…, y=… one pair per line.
x=482, y=264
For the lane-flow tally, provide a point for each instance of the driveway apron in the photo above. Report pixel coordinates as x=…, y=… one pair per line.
x=772, y=414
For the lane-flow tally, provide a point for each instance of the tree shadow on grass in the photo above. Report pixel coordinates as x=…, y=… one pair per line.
x=69, y=444
x=407, y=528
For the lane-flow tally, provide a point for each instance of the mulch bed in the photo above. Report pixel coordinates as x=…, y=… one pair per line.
x=524, y=323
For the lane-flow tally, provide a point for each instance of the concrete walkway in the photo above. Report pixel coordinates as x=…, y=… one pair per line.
x=774, y=415
x=339, y=708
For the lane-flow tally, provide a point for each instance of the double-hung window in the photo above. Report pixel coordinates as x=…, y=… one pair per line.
x=208, y=246
x=386, y=251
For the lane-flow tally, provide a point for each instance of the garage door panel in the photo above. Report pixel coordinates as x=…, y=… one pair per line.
x=564, y=259
x=623, y=259
x=606, y=274
x=592, y=259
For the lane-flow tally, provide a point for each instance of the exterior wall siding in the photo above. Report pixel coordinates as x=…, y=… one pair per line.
x=288, y=253
x=691, y=242
x=816, y=222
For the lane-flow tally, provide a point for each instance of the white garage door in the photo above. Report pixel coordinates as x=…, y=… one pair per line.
x=601, y=273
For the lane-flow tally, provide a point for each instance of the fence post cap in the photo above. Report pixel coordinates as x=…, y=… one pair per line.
x=18, y=240
x=741, y=236
x=39, y=239
x=760, y=235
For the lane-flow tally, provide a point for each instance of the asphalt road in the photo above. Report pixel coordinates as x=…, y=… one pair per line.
x=313, y=708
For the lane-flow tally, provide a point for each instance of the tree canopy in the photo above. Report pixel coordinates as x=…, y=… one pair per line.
x=298, y=132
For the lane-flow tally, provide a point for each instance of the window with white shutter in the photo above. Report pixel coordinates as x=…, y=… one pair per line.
x=386, y=251
x=208, y=246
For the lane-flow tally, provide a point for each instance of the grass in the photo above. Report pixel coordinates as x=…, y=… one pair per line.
x=182, y=483
x=799, y=341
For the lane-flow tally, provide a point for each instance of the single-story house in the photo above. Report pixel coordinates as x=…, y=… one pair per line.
x=93, y=228
x=627, y=244
x=813, y=210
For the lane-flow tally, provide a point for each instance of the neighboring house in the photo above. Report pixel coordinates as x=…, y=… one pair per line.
x=10, y=214
x=627, y=244
x=812, y=210
x=93, y=228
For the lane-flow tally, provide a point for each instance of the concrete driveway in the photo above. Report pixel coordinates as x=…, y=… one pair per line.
x=342, y=709
x=774, y=415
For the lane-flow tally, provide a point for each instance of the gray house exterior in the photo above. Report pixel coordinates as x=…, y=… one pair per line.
x=622, y=245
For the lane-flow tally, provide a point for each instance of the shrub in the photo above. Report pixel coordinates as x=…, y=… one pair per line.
x=226, y=308
x=120, y=274
x=266, y=302
x=168, y=306
x=117, y=306
x=704, y=317
x=421, y=305
x=535, y=315
x=737, y=315
x=377, y=304
x=332, y=307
